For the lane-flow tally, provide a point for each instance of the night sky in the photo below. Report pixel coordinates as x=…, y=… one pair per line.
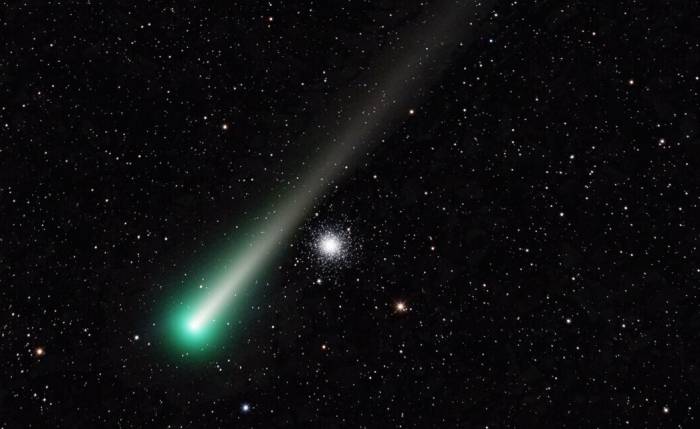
x=513, y=245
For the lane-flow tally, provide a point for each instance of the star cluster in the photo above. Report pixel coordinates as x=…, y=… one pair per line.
x=332, y=247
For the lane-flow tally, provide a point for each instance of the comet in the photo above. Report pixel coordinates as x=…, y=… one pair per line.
x=405, y=70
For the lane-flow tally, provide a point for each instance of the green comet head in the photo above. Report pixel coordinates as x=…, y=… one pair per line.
x=194, y=326
x=207, y=319
x=190, y=335
x=187, y=332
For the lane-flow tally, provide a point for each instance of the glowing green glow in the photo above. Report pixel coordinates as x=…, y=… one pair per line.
x=186, y=336
x=197, y=323
x=193, y=335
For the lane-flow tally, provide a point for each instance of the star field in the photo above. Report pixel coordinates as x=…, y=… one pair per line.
x=516, y=247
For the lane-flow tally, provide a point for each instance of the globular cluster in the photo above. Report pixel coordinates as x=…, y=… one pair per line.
x=327, y=253
x=509, y=239
x=333, y=246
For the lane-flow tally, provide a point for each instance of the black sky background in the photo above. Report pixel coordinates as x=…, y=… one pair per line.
x=537, y=214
